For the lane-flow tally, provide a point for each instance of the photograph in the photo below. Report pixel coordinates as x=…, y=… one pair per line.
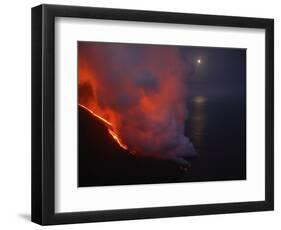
x=157, y=113
x=140, y=114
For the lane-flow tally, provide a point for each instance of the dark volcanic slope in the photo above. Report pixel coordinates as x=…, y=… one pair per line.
x=101, y=161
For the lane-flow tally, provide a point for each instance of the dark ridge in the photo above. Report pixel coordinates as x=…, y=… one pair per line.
x=101, y=161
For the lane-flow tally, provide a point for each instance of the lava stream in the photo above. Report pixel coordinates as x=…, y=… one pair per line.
x=109, y=128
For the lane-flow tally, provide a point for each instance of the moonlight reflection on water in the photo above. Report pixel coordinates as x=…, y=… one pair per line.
x=198, y=121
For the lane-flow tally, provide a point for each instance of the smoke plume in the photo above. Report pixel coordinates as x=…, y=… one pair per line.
x=142, y=90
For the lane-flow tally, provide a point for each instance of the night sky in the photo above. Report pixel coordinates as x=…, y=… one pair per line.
x=221, y=72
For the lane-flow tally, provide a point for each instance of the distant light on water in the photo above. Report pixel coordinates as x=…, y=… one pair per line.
x=198, y=121
x=199, y=99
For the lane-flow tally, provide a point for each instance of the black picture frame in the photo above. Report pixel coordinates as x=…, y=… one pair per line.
x=43, y=110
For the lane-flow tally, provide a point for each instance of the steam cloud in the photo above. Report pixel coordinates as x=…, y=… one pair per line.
x=142, y=91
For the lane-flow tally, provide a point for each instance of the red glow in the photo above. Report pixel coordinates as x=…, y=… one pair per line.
x=139, y=91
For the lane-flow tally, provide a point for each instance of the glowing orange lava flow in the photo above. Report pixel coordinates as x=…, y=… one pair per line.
x=109, y=128
x=117, y=139
x=99, y=117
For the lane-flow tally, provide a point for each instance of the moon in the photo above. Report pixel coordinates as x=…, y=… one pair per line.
x=199, y=61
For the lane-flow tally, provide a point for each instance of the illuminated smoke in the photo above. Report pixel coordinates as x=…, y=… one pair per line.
x=142, y=91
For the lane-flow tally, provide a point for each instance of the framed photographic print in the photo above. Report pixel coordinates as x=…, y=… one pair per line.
x=142, y=114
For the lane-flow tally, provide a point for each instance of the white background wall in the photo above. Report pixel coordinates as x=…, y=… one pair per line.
x=15, y=113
